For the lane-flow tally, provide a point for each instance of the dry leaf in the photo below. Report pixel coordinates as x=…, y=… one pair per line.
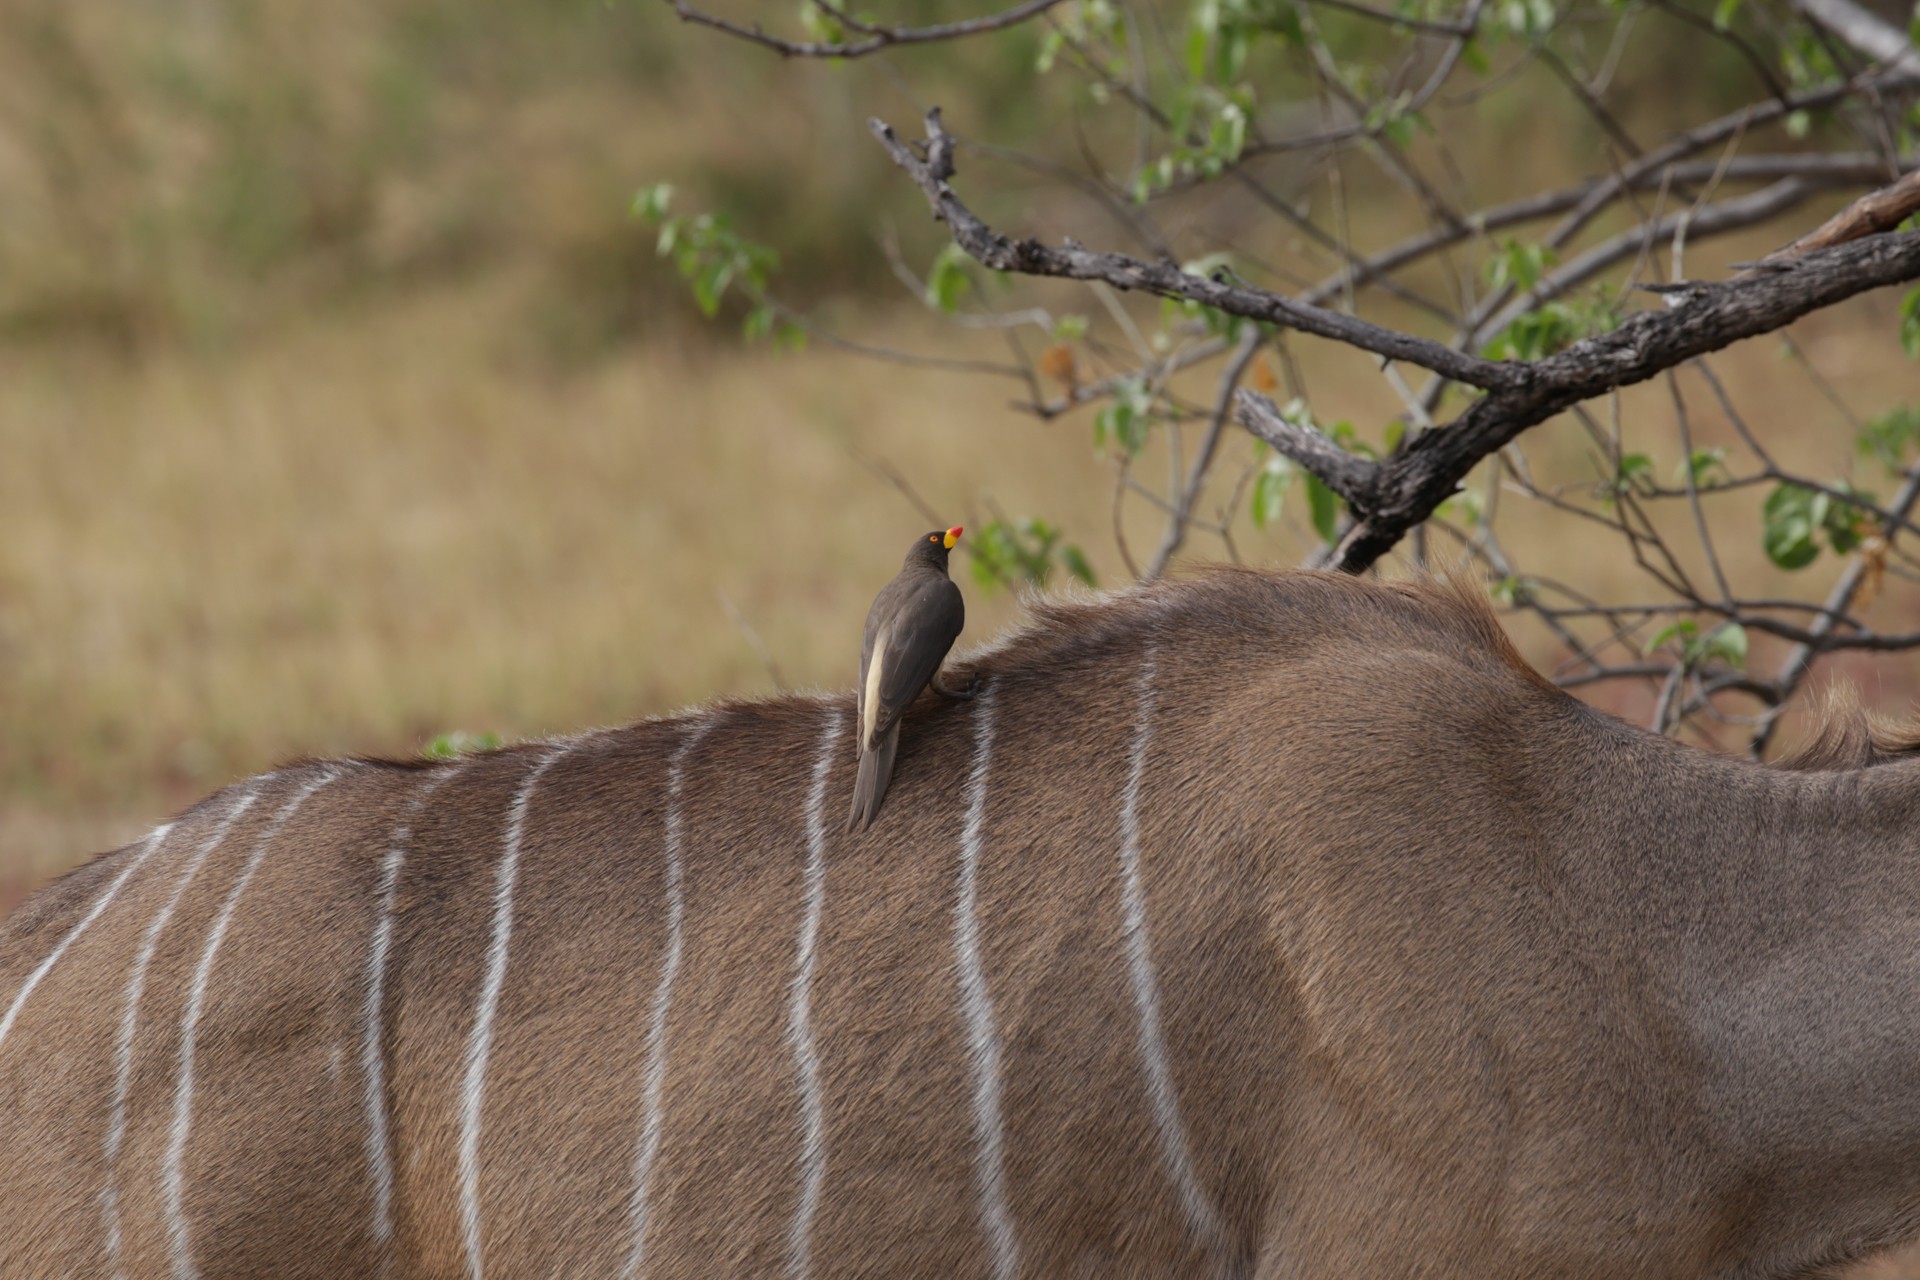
x=1873, y=558
x=1057, y=363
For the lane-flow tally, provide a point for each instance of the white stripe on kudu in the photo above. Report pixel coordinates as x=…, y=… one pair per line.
x=33, y=979
x=172, y=1178
x=129, y=1023
x=813, y=1124
x=651, y=1120
x=1201, y=1217
x=372, y=1064
x=474, y=1091
x=982, y=1042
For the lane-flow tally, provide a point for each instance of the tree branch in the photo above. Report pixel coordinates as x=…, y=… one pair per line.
x=878, y=37
x=1426, y=472
x=1182, y=515
x=1882, y=211
x=1822, y=171
x=1390, y=497
x=1465, y=28
x=1722, y=216
x=1864, y=30
x=1353, y=478
x=1164, y=279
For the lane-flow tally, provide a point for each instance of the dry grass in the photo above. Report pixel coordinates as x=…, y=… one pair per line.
x=327, y=488
x=359, y=534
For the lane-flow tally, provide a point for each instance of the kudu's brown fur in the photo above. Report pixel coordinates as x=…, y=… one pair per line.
x=1273, y=925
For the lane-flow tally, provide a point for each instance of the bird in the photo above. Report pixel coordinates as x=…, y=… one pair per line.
x=914, y=621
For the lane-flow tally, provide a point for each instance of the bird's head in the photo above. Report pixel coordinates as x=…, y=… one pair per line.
x=933, y=547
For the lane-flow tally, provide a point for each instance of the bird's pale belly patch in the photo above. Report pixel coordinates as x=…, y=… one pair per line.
x=870, y=700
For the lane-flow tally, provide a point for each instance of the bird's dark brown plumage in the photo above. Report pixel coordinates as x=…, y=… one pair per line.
x=914, y=621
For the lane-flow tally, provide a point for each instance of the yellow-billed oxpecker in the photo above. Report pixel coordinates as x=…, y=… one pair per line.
x=914, y=621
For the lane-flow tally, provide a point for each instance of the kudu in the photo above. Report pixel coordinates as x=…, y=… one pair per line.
x=1271, y=925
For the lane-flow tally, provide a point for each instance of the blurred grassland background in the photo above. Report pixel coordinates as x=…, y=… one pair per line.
x=343, y=404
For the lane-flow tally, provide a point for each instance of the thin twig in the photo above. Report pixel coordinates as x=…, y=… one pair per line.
x=753, y=638
x=1176, y=534
x=878, y=38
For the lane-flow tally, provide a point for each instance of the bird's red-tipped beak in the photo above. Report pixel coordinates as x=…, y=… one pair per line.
x=953, y=535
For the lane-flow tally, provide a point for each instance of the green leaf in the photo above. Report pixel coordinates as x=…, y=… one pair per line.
x=651, y=202
x=1078, y=565
x=1683, y=630
x=1798, y=123
x=1347, y=437
x=1728, y=642
x=1465, y=506
x=758, y=324
x=457, y=742
x=1709, y=469
x=1788, y=519
x=1069, y=328
x=1910, y=325
x=1889, y=436
x=1050, y=47
x=1723, y=14
x=1008, y=553
x=1270, y=489
x=821, y=26
x=947, y=282
x=1127, y=419
x=709, y=284
x=1513, y=591
x=1635, y=469
x=1324, y=506
x=1846, y=524
x=1519, y=265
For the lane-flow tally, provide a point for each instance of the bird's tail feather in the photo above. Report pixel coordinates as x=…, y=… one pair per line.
x=876, y=768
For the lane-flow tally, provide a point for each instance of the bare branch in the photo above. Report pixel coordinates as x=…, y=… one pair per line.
x=1864, y=30
x=1465, y=28
x=1824, y=171
x=1726, y=34
x=1820, y=634
x=739, y=620
x=1715, y=219
x=1412, y=483
x=878, y=38
x=1391, y=497
x=1164, y=279
x=1351, y=477
x=1203, y=460
x=1882, y=211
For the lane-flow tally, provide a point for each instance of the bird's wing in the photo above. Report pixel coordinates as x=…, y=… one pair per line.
x=916, y=639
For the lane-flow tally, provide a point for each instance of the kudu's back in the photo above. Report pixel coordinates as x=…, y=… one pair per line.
x=1153, y=965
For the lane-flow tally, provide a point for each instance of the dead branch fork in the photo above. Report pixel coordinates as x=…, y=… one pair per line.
x=1852, y=254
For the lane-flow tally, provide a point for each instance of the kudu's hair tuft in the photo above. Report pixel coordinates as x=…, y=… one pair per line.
x=1843, y=734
